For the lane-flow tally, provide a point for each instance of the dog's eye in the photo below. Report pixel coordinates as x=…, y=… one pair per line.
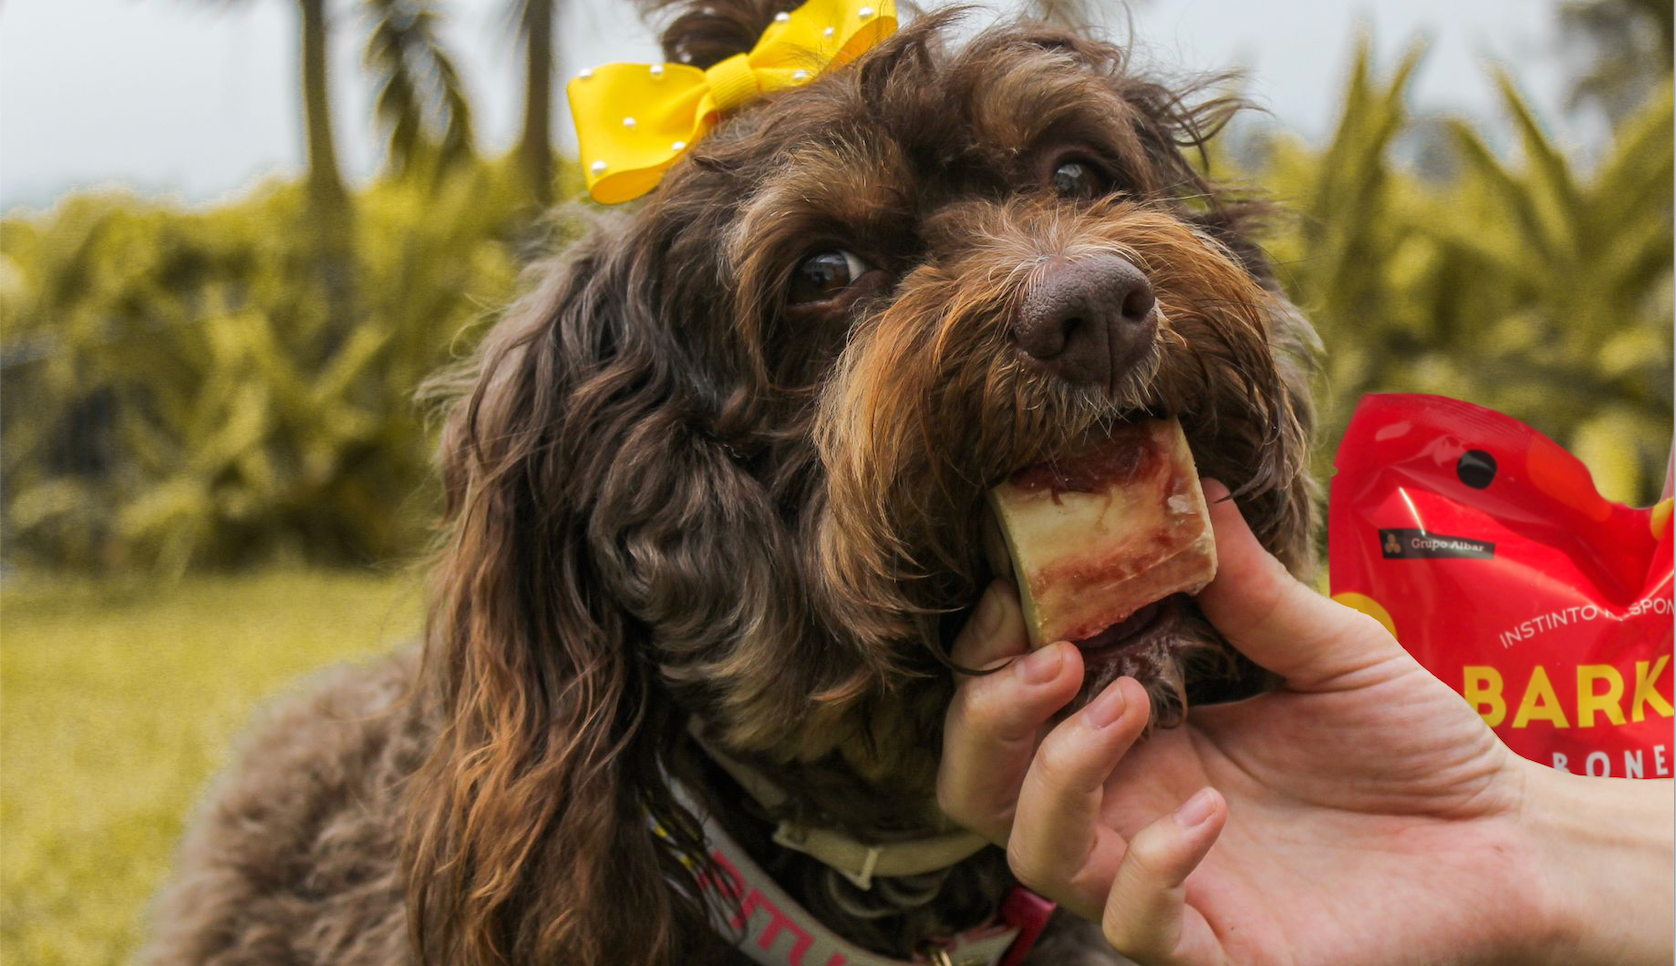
x=825, y=275
x=1078, y=179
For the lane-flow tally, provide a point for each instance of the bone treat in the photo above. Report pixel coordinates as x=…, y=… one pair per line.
x=1097, y=535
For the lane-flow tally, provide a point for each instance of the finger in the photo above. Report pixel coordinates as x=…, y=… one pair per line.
x=990, y=734
x=1272, y=618
x=1147, y=917
x=1059, y=845
x=994, y=632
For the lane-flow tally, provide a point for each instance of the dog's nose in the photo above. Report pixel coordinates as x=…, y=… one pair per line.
x=1087, y=319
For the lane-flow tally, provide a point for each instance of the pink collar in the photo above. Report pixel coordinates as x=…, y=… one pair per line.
x=774, y=930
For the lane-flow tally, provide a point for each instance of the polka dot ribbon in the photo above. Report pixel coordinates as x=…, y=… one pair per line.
x=634, y=120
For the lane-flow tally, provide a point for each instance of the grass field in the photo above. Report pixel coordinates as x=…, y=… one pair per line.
x=117, y=704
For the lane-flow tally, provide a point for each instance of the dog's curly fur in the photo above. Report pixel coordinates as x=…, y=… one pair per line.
x=672, y=494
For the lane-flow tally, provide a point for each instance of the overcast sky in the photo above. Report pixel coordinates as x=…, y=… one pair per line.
x=192, y=99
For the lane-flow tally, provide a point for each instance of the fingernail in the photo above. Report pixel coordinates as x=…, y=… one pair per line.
x=986, y=620
x=1106, y=708
x=1214, y=489
x=1196, y=809
x=1041, y=666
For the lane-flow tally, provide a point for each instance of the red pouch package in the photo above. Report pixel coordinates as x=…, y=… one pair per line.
x=1485, y=549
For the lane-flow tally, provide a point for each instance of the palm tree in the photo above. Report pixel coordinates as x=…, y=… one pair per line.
x=325, y=184
x=330, y=217
x=421, y=101
x=419, y=91
x=534, y=19
x=1625, y=49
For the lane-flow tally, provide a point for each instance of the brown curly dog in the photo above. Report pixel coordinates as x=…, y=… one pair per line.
x=726, y=467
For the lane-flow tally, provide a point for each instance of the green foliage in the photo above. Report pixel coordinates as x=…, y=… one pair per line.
x=118, y=701
x=176, y=392
x=1523, y=287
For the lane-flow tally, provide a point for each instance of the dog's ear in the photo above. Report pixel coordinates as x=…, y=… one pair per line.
x=704, y=33
x=531, y=836
x=1272, y=461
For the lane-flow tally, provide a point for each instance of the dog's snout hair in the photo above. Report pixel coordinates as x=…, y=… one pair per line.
x=929, y=403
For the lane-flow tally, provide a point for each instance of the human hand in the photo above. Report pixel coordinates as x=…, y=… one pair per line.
x=1361, y=814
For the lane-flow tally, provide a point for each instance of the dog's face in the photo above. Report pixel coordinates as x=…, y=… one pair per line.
x=735, y=452
x=915, y=276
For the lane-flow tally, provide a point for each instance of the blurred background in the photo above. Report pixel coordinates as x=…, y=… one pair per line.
x=237, y=234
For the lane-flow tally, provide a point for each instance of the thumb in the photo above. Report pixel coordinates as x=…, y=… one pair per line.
x=1270, y=617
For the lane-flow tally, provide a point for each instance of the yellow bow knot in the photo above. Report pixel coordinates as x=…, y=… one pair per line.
x=634, y=120
x=732, y=82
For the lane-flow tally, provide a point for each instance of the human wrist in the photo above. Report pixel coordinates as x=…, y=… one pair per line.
x=1605, y=855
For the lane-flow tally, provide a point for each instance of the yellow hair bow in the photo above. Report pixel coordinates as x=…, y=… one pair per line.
x=634, y=120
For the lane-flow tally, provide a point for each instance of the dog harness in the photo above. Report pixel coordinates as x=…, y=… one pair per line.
x=855, y=860
x=775, y=930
